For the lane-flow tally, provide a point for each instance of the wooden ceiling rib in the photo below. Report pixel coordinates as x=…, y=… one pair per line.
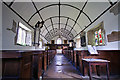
x=48, y=36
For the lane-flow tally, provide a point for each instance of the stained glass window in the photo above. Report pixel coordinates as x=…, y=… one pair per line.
x=96, y=35
x=99, y=39
x=96, y=38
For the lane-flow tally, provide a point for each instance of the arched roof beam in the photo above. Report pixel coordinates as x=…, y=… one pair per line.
x=63, y=17
x=58, y=32
x=40, y=15
x=44, y=37
x=96, y=18
x=61, y=35
x=62, y=5
x=57, y=24
x=79, y=16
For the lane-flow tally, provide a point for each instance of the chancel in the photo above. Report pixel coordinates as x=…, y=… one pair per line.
x=59, y=39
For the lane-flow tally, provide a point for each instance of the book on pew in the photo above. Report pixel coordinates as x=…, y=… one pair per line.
x=92, y=49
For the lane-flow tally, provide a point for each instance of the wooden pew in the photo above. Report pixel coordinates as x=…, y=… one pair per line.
x=38, y=64
x=112, y=55
x=19, y=65
x=16, y=65
x=45, y=60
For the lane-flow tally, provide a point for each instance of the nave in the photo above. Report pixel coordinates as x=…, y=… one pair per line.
x=86, y=32
x=61, y=68
x=49, y=65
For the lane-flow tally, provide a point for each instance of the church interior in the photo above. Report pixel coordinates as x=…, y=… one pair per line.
x=59, y=40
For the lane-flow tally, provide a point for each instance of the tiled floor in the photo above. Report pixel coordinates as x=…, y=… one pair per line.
x=61, y=69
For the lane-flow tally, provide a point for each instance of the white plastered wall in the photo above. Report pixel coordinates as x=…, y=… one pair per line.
x=8, y=36
x=110, y=24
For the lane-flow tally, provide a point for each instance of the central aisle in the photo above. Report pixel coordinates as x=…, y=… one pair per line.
x=61, y=68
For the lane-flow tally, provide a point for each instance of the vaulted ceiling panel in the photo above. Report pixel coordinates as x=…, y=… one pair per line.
x=62, y=25
x=48, y=22
x=22, y=0
x=8, y=2
x=50, y=28
x=63, y=20
x=93, y=9
x=56, y=26
x=83, y=21
x=55, y=20
x=77, y=28
x=45, y=32
x=25, y=9
x=35, y=19
x=113, y=1
x=68, y=28
x=49, y=11
x=74, y=32
x=76, y=4
x=69, y=11
x=40, y=5
x=71, y=22
x=67, y=19
x=43, y=29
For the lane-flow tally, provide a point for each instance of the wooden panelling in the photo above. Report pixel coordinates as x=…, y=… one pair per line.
x=112, y=55
x=38, y=63
x=10, y=70
x=50, y=56
x=75, y=62
x=70, y=55
x=45, y=61
x=16, y=65
x=28, y=65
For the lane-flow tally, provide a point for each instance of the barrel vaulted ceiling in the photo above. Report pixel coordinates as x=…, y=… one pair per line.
x=67, y=19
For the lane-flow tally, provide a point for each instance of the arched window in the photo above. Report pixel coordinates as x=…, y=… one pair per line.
x=40, y=42
x=59, y=41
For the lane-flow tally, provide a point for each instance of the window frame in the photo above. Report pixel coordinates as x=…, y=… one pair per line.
x=91, y=34
x=26, y=31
